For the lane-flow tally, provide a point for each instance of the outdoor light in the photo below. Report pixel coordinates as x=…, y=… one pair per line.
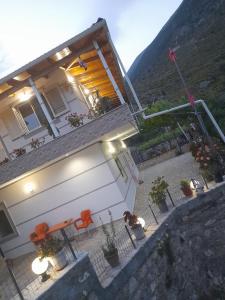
x=112, y=149
x=58, y=55
x=86, y=91
x=39, y=267
x=141, y=221
x=29, y=188
x=70, y=78
x=197, y=186
x=24, y=96
x=124, y=146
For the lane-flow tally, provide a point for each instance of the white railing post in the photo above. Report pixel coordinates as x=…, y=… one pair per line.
x=43, y=107
x=109, y=73
x=5, y=148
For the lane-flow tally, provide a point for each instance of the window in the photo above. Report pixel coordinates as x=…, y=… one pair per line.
x=56, y=102
x=29, y=116
x=121, y=168
x=7, y=228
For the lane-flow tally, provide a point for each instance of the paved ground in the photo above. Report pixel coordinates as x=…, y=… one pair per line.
x=175, y=169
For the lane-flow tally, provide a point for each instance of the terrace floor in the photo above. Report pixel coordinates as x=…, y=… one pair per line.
x=175, y=169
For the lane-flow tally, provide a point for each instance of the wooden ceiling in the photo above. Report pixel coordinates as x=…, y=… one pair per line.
x=94, y=78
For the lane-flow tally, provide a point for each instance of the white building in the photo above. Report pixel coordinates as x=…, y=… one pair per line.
x=50, y=171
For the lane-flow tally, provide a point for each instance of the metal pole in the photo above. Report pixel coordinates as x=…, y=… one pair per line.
x=130, y=237
x=12, y=275
x=206, y=184
x=182, y=130
x=198, y=116
x=68, y=243
x=213, y=120
x=202, y=102
x=171, y=199
x=154, y=216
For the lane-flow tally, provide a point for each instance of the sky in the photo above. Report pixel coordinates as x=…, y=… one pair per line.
x=29, y=28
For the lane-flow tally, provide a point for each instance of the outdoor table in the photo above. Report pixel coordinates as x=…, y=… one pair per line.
x=61, y=227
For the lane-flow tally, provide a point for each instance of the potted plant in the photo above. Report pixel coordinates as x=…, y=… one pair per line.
x=75, y=119
x=186, y=188
x=135, y=225
x=18, y=152
x=4, y=161
x=53, y=249
x=158, y=193
x=109, y=249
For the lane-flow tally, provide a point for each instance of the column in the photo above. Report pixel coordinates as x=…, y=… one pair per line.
x=109, y=73
x=44, y=108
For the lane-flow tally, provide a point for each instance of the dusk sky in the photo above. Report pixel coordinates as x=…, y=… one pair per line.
x=31, y=28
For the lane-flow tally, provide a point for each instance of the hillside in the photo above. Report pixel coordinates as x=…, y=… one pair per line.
x=197, y=29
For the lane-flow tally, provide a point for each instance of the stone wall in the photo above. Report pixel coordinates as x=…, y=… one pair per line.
x=184, y=259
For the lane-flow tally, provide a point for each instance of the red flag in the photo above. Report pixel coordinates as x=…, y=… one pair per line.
x=172, y=55
x=191, y=99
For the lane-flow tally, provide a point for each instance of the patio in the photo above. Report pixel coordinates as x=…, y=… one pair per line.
x=174, y=170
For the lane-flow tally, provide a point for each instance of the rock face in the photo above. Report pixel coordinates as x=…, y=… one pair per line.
x=185, y=258
x=197, y=31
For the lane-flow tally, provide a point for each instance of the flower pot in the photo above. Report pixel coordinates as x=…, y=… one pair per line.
x=138, y=232
x=112, y=258
x=59, y=260
x=163, y=206
x=187, y=191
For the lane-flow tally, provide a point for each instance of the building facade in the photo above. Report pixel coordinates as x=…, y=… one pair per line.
x=64, y=119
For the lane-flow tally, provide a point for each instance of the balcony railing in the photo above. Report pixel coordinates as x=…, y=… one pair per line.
x=93, y=130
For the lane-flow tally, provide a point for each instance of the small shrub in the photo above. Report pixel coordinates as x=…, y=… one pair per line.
x=109, y=247
x=158, y=192
x=36, y=143
x=184, y=184
x=18, y=152
x=50, y=247
x=4, y=161
x=75, y=119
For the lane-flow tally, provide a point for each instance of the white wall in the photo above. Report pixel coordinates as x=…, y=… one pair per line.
x=85, y=180
x=127, y=184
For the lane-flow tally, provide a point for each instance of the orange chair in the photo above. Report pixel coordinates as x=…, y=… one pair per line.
x=85, y=219
x=39, y=234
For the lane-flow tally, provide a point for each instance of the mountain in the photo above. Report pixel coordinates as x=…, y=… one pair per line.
x=197, y=32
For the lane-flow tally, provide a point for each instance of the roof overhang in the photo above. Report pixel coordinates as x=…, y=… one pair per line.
x=65, y=56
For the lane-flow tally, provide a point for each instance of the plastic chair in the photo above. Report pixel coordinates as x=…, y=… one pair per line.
x=39, y=234
x=85, y=220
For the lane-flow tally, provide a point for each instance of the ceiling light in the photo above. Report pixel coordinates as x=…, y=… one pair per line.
x=86, y=91
x=24, y=96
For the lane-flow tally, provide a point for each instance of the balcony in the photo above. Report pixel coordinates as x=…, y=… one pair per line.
x=116, y=124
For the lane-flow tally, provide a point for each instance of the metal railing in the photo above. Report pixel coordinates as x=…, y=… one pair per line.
x=29, y=284
x=17, y=280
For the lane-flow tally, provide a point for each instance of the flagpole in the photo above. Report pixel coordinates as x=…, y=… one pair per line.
x=192, y=102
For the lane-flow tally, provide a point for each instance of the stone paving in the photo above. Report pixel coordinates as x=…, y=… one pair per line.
x=175, y=169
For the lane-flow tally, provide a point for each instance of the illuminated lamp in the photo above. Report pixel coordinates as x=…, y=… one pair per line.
x=39, y=267
x=141, y=221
